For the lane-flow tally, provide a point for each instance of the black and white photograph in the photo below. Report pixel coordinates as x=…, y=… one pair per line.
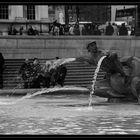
x=69, y=69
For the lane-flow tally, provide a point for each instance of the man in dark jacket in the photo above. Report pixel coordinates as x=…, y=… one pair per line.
x=109, y=29
x=2, y=62
x=123, y=30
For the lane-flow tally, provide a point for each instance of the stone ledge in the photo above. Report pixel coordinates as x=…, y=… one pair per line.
x=74, y=90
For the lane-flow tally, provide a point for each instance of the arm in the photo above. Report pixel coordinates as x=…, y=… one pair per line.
x=86, y=60
x=118, y=66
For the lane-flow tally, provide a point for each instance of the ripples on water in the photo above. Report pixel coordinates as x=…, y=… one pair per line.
x=70, y=126
x=65, y=116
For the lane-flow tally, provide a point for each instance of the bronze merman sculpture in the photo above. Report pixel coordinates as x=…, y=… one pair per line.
x=122, y=78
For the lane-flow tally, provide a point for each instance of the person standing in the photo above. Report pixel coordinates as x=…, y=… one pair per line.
x=123, y=30
x=71, y=30
x=30, y=30
x=21, y=29
x=61, y=30
x=115, y=29
x=109, y=29
x=96, y=30
x=2, y=62
x=76, y=29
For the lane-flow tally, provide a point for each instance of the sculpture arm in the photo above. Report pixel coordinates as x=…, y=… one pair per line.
x=85, y=60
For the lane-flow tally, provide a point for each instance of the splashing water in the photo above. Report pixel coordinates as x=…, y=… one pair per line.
x=29, y=95
x=44, y=90
x=94, y=79
x=63, y=61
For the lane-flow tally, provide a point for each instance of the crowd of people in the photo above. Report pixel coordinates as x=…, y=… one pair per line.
x=30, y=31
x=57, y=29
x=92, y=29
x=35, y=75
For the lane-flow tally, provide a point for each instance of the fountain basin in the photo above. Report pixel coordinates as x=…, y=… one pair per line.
x=107, y=93
x=55, y=90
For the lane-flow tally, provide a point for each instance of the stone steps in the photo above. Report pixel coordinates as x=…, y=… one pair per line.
x=78, y=73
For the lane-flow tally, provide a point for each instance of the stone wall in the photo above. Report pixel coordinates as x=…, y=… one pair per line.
x=14, y=47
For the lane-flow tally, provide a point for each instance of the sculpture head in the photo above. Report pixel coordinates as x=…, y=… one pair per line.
x=26, y=60
x=92, y=47
x=35, y=61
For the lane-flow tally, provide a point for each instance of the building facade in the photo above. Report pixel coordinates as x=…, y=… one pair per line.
x=93, y=13
x=123, y=13
x=39, y=16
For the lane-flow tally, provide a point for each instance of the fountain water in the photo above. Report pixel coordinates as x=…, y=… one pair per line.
x=44, y=90
x=94, y=79
x=63, y=61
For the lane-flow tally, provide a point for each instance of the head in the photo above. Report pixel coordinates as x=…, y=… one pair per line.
x=123, y=24
x=109, y=23
x=113, y=24
x=96, y=27
x=48, y=63
x=35, y=61
x=30, y=26
x=26, y=60
x=92, y=47
x=56, y=57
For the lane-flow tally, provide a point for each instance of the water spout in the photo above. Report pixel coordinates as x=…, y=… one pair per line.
x=94, y=79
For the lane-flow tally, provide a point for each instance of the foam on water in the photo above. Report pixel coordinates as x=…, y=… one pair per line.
x=7, y=103
x=89, y=108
